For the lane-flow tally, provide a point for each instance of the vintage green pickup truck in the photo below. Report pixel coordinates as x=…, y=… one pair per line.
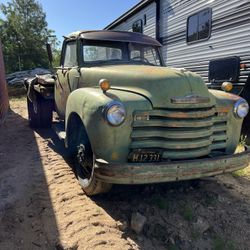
x=128, y=119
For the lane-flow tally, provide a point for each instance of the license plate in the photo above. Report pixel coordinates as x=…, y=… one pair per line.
x=145, y=156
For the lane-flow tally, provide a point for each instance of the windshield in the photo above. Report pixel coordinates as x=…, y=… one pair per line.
x=119, y=52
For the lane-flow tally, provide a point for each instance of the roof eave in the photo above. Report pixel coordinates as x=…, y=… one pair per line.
x=142, y=4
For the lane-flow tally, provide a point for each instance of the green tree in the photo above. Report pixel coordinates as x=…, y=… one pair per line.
x=24, y=33
x=56, y=57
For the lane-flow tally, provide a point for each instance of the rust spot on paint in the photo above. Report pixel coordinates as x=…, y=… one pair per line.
x=223, y=109
x=228, y=95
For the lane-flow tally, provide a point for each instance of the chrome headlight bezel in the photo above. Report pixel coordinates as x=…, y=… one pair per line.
x=112, y=111
x=241, y=108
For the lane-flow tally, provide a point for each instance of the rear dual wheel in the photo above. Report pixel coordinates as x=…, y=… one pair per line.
x=40, y=112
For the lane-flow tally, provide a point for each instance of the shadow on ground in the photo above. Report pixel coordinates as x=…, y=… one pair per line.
x=27, y=219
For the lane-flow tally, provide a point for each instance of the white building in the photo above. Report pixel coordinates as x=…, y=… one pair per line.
x=209, y=37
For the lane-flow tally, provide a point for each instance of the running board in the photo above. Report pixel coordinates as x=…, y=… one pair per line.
x=59, y=129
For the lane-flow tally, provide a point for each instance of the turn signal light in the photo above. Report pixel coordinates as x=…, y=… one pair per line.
x=104, y=85
x=227, y=86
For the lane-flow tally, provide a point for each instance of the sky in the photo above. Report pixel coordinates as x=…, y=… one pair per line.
x=65, y=16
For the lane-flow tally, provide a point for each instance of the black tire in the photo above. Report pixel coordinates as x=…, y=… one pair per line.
x=85, y=172
x=40, y=112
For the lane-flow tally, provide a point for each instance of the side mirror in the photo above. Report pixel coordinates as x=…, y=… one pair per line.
x=49, y=52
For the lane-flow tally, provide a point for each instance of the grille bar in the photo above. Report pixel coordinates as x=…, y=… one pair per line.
x=177, y=134
x=188, y=154
x=172, y=144
x=179, y=114
x=175, y=123
x=179, y=123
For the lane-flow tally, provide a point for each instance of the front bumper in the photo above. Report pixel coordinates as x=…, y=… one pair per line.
x=143, y=173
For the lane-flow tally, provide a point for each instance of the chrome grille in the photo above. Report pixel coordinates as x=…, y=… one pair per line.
x=180, y=134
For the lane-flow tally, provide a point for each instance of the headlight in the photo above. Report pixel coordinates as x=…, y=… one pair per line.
x=114, y=113
x=227, y=86
x=241, y=108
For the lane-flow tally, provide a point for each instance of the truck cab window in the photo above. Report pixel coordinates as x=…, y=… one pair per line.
x=144, y=53
x=199, y=26
x=70, y=57
x=93, y=53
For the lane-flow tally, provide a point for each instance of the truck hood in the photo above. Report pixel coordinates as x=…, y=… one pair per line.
x=160, y=85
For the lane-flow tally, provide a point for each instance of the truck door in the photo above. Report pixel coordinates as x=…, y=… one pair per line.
x=67, y=75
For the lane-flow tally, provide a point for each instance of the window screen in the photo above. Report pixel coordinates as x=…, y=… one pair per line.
x=137, y=26
x=199, y=26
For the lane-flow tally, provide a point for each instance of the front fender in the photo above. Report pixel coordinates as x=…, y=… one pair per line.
x=108, y=142
x=225, y=103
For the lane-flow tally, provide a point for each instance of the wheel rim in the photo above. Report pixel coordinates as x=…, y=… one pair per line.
x=85, y=166
x=35, y=107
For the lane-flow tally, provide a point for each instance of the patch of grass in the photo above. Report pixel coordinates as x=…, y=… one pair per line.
x=172, y=247
x=231, y=245
x=222, y=244
x=242, y=143
x=187, y=212
x=195, y=235
x=160, y=202
x=242, y=172
x=219, y=244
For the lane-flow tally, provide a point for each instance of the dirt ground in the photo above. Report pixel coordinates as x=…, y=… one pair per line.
x=43, y=207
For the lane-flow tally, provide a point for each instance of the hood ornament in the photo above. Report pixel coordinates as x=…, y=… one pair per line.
x=190, y=99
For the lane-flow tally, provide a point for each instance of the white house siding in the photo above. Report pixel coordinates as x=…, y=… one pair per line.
x=230, y=34
x=148, y=29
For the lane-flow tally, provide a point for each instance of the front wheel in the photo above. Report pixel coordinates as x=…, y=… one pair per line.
x=85, y=172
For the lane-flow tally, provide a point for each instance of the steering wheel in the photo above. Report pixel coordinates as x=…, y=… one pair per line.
x=140, y=59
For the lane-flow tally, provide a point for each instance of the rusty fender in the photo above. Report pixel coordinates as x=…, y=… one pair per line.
x=142, y=173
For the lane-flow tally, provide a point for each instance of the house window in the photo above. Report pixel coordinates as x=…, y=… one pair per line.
x=145, y=19
x=137, y=26
x=199, y=26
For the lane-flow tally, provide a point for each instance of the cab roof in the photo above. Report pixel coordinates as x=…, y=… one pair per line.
x=108, y=35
